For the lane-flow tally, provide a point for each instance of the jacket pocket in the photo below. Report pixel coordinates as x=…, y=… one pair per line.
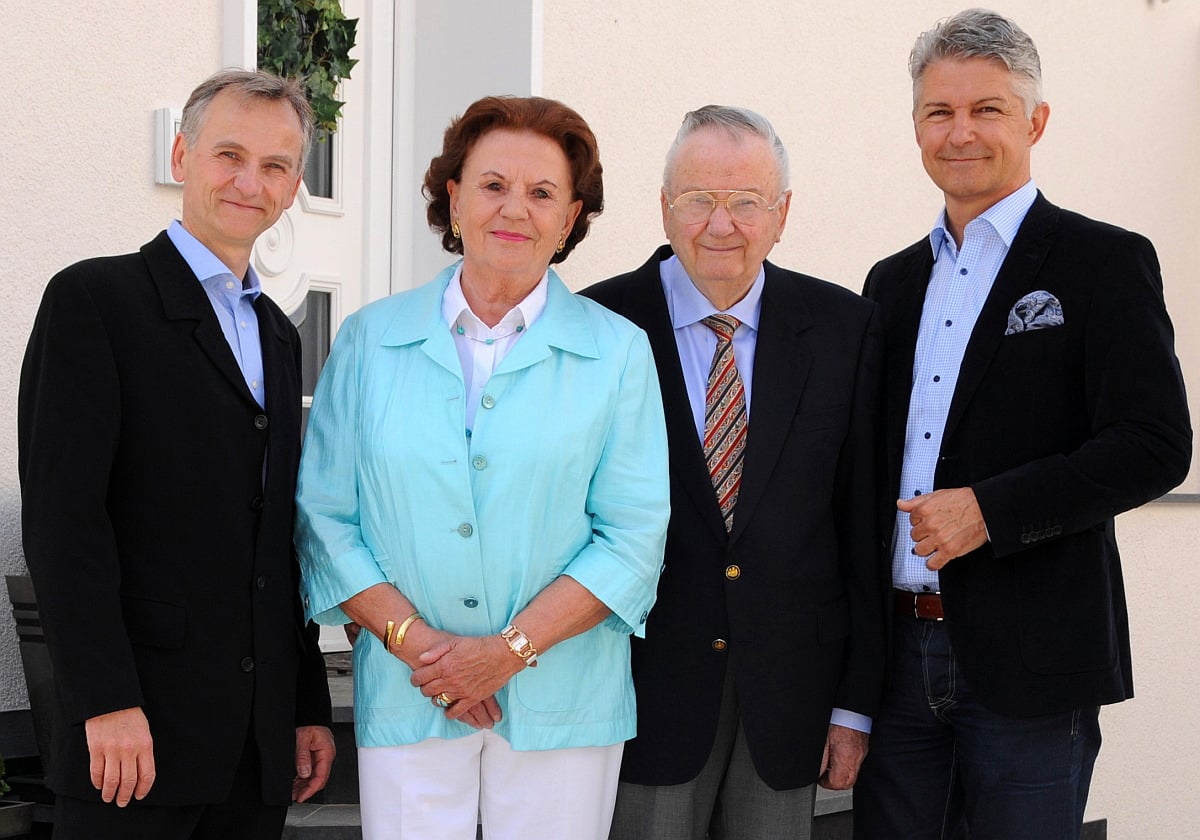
x=154, y=623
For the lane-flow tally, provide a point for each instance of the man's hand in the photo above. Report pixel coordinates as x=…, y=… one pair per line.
x=314, y=760
x=945, y=524
x=845, y=750
x=122, y=755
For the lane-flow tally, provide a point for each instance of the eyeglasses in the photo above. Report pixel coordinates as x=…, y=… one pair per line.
x=746, y=208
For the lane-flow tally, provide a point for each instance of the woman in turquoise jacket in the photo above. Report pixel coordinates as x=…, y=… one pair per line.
x=484, y=491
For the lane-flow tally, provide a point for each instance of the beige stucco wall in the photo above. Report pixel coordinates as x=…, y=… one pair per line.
x=1123, y=82
x=78, y=177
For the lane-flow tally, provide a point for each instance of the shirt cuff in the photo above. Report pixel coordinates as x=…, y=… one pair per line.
x=850, y=720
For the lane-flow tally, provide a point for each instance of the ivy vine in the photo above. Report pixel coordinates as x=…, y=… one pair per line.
x=308, y=39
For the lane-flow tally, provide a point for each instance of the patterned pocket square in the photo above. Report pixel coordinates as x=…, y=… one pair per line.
x=1036, y=311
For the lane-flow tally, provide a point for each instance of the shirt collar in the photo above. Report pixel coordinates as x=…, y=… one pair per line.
x=204, y=263
x=687, y=305
x=456, y=310
x=1004, y=217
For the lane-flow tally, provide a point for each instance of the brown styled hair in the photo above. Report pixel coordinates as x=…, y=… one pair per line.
x=547, y=117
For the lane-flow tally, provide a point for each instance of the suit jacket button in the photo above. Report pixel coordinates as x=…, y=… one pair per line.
x=261, y=583
x=260, y=422
x=719, y=645
x=256, y=503
x=733, y=572
x=247, y=664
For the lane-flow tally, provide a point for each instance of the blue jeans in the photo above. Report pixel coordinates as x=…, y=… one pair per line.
x=941, y=762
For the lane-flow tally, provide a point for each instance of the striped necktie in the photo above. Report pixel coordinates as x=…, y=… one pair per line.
x=724, y=417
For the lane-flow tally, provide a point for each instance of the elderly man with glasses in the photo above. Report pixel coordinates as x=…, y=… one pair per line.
x=763, y=656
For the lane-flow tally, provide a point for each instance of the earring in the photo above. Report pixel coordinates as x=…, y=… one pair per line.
x=562, y=243
x=454, y=229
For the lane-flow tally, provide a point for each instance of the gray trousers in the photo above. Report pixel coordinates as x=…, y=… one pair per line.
x=727, y=801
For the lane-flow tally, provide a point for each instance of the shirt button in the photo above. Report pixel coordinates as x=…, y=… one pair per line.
x=937, y=379
x=645, y=615
x=465, y=530
x=949, y=323
x=247, y=664
x=733, y=572
x=243, y=323
x=962, y=271
x=928, y=436
x=260, y=422
x=479, y=462
x=470, y=603
x=228, y=284
x=719, y=645
x=488, y=401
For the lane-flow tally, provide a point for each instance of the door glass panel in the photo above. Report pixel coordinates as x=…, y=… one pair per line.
x=318, y=170
x=312, y=320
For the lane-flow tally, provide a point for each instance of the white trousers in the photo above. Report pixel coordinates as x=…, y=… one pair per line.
x=442, y=789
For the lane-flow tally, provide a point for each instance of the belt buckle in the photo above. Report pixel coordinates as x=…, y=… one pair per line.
x=917, y=612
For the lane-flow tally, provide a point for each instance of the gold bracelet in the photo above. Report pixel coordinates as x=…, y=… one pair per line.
x=402, y=631
x=387, y=635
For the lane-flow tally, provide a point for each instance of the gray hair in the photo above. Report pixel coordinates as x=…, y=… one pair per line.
x=979, y=33
x=739, y=122
x=251, y=84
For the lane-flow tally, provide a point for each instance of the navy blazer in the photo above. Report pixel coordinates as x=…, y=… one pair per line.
x=1057, y=430
x=160, y=551
x=791, y=599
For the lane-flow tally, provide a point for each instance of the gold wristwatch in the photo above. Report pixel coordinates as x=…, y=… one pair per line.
x=519, y=644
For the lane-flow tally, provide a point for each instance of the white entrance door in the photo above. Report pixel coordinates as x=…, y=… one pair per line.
x=330, y=253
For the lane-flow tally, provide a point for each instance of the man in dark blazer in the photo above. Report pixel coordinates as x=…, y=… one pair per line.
x=159, y=422
x=769, y=613
x=1032, y=394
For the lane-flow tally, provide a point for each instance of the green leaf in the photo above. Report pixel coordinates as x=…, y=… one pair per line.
x=309, y=39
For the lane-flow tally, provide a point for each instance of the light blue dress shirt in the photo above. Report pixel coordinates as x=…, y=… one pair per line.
x=232, y=301
x=565, y=472
x=696, y=343
x=958, y=287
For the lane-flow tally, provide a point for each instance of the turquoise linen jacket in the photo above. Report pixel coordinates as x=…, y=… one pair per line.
x=565, y=472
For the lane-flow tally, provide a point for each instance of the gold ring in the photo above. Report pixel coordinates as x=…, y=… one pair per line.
x=443, y=700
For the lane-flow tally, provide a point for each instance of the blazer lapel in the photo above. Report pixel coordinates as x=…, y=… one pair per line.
x=782, y=360
x=1029, y=249
x=648, y=309
x=183, y=299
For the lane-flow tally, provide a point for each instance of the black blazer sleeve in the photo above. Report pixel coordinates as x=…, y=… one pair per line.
x=69, y=420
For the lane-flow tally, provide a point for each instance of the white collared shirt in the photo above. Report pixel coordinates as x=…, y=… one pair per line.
x=481, y=348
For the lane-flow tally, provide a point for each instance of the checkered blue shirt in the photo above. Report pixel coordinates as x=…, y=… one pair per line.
x=958, y=286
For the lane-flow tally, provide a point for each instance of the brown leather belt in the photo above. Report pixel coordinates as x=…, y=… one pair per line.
x=926, y=606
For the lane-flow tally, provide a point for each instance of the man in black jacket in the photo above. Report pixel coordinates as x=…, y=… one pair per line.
x=763, y=655
x=1032, y=394
x=159, y=422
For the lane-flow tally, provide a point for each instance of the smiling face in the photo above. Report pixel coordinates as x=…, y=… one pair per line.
x=974, y=135
x=513, y=204
x=242, y=173
x=721, y=256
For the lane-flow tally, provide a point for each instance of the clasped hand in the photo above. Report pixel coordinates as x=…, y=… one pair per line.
x=469, y=670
